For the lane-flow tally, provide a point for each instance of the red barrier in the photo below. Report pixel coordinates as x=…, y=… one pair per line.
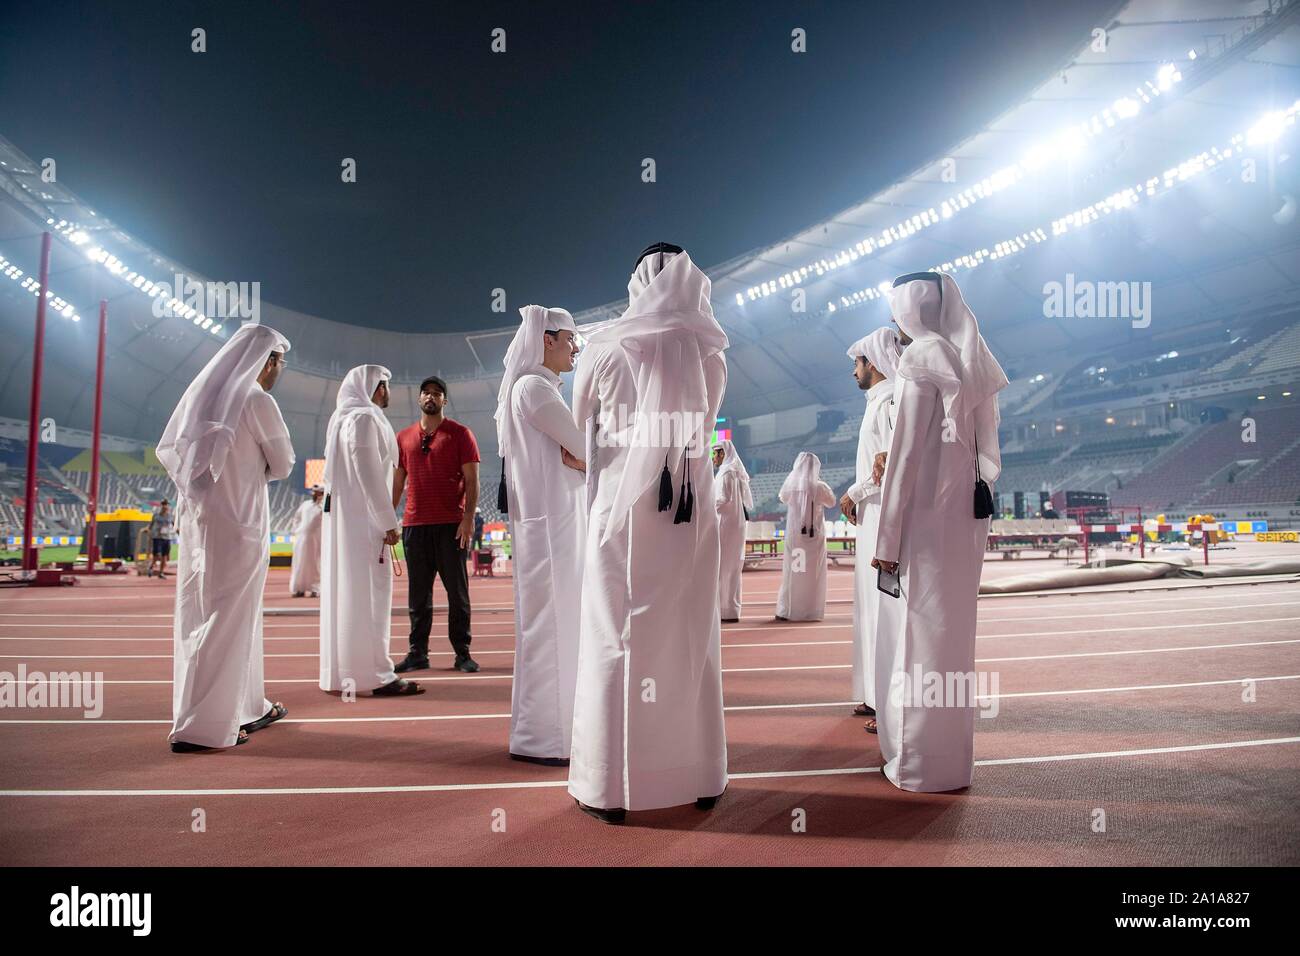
x=30, y=552
x=92, y=543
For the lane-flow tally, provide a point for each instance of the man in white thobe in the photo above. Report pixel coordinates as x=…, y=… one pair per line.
x=802, y=596
x=224, y=442
x=875, y=364
x=647, y=720
x=945, y=441
x=542, y=451
x=732, y=500
x=359, y=532
x=304, y=566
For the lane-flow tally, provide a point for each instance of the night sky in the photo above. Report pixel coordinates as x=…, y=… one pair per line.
x=478, y=170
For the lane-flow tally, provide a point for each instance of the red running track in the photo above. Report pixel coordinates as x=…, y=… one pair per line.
x=1127, y=703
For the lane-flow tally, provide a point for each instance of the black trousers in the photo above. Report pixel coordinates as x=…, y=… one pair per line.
x=432, y=549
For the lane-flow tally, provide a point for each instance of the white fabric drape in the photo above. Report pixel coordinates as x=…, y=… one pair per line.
x=948, y=352
x=874, y=437
x=199, y=435
x=802, y=596
x=547, y=526
x=947, y=395
x=524, y=354
x=357, y=568
x=667, y=336
x=221, y=460
x=647, y=722
x=731, y=498
x=304, y=572
x=881, y=348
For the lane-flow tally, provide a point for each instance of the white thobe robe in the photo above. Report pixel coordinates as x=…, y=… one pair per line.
x=730, y=505
x=939, y=546
x=547, y=520
x=648, y=723
x=873, y=437
x=225, y=549
x=802, y=596
x=356, y=605
x=304, y=572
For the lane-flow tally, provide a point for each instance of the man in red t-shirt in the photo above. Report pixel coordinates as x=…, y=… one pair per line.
x=437, y=467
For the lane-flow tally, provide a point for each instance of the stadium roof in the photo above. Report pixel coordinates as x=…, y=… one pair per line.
x=1159, y=153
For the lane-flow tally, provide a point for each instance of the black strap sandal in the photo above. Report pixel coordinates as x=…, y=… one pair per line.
x=862, y=710
x=398, y=688
x=870, y=730
x=277, y=711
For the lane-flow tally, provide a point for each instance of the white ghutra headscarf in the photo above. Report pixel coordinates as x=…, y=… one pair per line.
x=731, y=463
x=948, y=351
x=881, y=348
x=199, y=435
x=666, y=335
x=356, y=398
x=525, y=355
x=799, y=493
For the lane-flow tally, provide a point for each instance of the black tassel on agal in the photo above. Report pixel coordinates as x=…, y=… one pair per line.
x=502, y=502
x=665, y=487
x=690, y=499
x=686, y=501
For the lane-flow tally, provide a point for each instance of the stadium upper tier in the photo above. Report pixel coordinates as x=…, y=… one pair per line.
x=1160, y=153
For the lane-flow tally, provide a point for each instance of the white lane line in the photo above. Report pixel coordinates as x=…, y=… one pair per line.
x=1244, y=606
x=1035, y=693
x=106, y=625
x=804, y=667
x=981, y=637
x=729, y=709
x=1140, y=627
x=1028, y=607
x=1034, y=600
x=1141, y=650
x=556, y=784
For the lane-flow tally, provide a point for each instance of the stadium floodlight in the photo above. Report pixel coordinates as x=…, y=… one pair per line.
x=1270, y=126
x=1191, y=54
x=29, y=284
x=1123, y=199
x=1067, y=143
x=1127, y=107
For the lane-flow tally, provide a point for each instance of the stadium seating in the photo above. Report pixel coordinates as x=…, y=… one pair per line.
x=1183, y=477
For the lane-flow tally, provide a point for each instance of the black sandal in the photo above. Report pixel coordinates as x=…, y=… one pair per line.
x=182, y=747
x=870, y=730
x=277, y=711
x=862, y=710
x=398, y=688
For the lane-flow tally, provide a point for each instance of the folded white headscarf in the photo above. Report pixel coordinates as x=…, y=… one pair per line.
x=799, y=492
x=666, y=334
x=525, y=355
x=201, y=431
x=881, y=348
x=356, y=398
x=731, y=462
x=948, y=352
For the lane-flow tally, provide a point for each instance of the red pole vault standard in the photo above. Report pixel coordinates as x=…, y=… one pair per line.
x=33, y=425
x=92, y=537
